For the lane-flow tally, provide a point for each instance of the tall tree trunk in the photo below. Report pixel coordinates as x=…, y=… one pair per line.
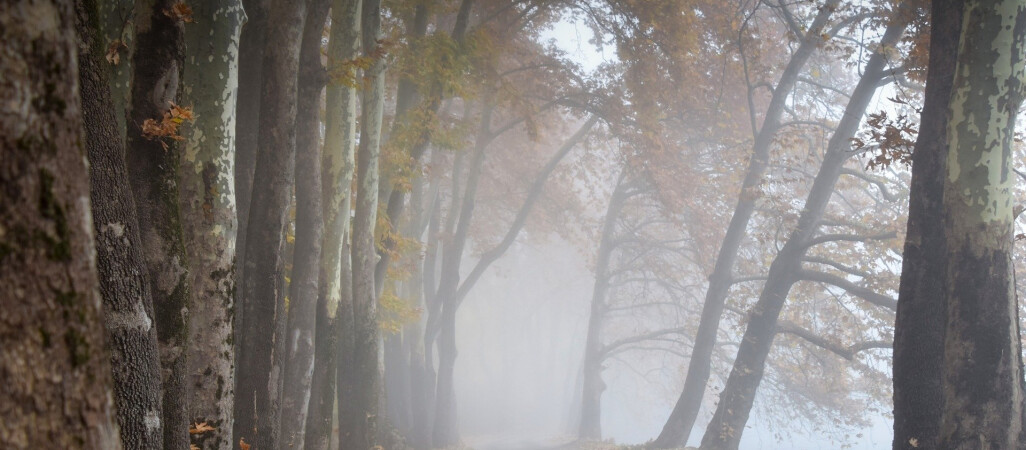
x=728, y=422
x=445, y=432
x=302, y=311
x=367, y=339
x=263, y=285
x=918, y=340
x=678, y=426
x=337, y=166
x=153, y=173
x=592, y=386
x=252, y=41
x=54, y=369
x=423, y=378
x=413, y=333
x=127, y=304
x=983, y=375
x=210, y=86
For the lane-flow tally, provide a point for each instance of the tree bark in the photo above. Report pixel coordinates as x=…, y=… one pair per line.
x=337, y=166
x=252, y=41
x=918, y=357
x=728, y=422
x=302, y=311
x=983, y=375
x=128, y=306
x=116, y=24
x=362, y=433
x=153, y=173
x=678, y=426
x=257, y=411
x=210, y=85
x=54, y=369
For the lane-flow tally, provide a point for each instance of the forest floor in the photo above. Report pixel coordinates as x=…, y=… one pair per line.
x=531, y=443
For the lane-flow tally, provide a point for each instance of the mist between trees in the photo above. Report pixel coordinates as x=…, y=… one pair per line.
x=511, y=224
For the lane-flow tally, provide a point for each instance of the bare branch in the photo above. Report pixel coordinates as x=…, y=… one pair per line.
x=864, y=293
x=824, y=238
x=846, y=352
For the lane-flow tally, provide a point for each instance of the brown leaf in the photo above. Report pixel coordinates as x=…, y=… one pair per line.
x=113, y=56
x=243, y=445
x=180, y=11
x=200, y=428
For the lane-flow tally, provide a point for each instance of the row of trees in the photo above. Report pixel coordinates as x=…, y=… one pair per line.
x=240, y=302
x=289, y=201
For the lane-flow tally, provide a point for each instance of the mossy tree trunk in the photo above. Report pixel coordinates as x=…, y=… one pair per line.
x=152, y=169
x=983, y=378
x=207, y=183
x=54, y=368
x=116, y=29
x=128, y=305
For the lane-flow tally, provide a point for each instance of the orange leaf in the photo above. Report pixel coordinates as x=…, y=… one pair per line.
x=243, y=445
x=199, y=428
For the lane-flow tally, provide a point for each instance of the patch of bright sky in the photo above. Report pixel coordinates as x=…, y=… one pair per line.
x=572, y=36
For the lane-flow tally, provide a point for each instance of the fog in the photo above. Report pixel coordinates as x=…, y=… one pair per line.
x=512, y=224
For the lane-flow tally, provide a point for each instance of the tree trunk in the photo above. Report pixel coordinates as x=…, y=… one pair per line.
x=983, y=378
x=918, y=340
x=54, y=368
x=592, y=385
x=302, y=312
x=678, y=426
x=252, y=41
x=115, y=24
x=445, y=431
x=128, y=306
x=153, y=173
x=397, y=381
x=367, y=344
x=423, y=379
x=263, y=285
x=728, y=422
x=210, y=85
x=337, y=166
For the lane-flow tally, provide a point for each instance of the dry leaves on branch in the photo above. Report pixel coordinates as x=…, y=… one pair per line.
x=200, y=428
x=114, y=51
x=168, y=125
x=180, y=11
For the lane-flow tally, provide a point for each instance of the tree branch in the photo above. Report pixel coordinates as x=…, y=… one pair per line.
x=864, y=293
